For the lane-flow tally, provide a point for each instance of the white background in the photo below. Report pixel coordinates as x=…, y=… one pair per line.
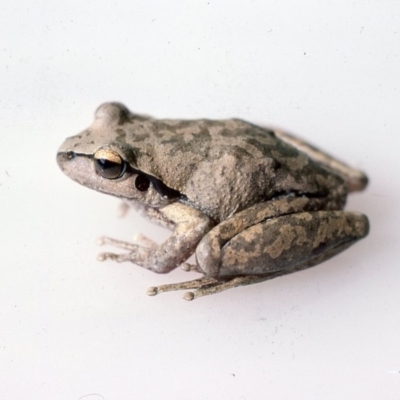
x=74, y=328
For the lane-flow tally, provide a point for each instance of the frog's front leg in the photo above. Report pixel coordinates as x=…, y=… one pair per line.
x=190, y=226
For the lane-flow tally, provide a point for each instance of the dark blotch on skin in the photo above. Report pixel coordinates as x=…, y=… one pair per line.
x=163, y=190
x=121, y=135
x=142, y=183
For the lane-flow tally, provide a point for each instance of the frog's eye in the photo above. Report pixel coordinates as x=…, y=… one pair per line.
x=109, y=164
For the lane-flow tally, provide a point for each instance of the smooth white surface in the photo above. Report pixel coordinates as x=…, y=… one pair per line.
x=73, y=327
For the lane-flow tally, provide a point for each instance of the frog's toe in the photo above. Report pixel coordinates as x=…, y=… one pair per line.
x=138, y=239
x=189, y=296
x=205, y=286
x=144, y=241
x=104, y=240
x=194, y=284
x=114, y=257
x=187, y=267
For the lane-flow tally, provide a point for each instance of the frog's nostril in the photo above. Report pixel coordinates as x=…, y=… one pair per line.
x=63, y=157
x=69, y=155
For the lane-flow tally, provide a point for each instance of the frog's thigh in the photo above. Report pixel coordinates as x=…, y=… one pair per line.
x=355, y=179
x=288, y=241
x=208, y=252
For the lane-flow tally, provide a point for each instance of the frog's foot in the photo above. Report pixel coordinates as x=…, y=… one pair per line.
x=138, y=240
x=138, y=254
x=207, y=285
x=145, y=241
x=139, y=249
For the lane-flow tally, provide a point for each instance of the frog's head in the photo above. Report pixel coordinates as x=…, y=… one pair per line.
x=99, y=159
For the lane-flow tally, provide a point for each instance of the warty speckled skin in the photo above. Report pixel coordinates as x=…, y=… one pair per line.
x=250, y=202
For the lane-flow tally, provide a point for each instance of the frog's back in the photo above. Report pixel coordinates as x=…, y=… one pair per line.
x=224, y=166
x=219, y=167
x=172, y=150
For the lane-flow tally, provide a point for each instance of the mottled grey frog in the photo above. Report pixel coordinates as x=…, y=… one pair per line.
x=251, y=203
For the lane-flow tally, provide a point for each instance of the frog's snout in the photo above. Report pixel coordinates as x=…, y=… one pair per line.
x=63, y=157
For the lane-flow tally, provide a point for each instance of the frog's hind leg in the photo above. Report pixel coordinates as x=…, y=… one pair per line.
x=205, y=286
x=282, y=243
x=286, y=244
x=276, y=247
x=194, y=284
x=355, y=179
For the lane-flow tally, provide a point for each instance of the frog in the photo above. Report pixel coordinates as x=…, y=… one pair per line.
x=250, y=203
